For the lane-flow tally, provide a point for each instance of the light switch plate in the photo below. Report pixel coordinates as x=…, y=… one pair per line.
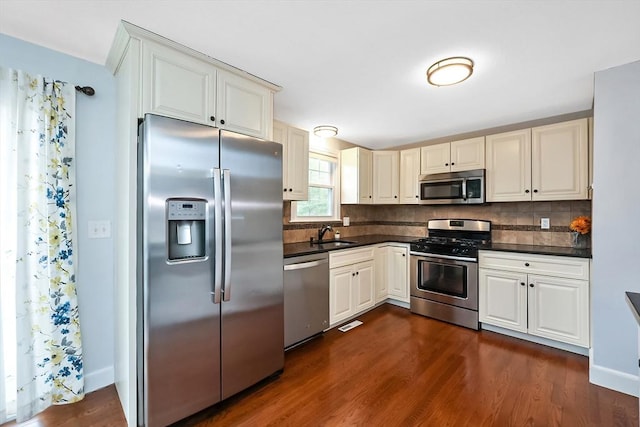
x=544, y=223
x=100, y=229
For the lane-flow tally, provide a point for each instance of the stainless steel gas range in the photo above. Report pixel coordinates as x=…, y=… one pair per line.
x=444, y=270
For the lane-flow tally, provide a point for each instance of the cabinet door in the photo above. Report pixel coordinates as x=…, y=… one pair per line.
x=177, y=85
x=503, y=299
x=559, y=309
x=385, y=177
x=280, y=135
x=398, y=273
x=382, y=273
x=295, y=160
x=365, y=176
x=508, y=159
x=297, y=164
x=341, y=301
x=435, y=158
x=363, y=286
x=467, y=154
x=560, y=161
x=244, y=106
x=409, y=172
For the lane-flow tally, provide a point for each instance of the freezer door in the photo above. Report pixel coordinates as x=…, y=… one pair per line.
x=180, y=357
x=252, y=307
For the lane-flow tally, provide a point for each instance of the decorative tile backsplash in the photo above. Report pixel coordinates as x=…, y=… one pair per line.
x=513, y=222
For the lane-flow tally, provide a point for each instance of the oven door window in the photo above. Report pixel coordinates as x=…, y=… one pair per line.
x=445, y=279
x=441, y=190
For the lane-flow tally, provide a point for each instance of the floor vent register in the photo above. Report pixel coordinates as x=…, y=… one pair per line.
x=349, y=326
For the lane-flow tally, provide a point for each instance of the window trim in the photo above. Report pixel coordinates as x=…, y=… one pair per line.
x=333, y=157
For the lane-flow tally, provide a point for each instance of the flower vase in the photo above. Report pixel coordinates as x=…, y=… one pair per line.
x=579, y=241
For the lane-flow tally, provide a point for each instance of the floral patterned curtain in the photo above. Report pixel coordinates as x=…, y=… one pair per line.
x=37, y=281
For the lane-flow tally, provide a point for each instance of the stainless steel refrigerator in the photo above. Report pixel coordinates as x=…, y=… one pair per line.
x=210, y=279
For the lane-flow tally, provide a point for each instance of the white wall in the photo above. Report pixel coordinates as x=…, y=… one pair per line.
x=616, y=227
x=95, y=138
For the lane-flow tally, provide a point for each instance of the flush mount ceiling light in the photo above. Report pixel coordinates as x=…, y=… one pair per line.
x=325, y=131
x=450, y=71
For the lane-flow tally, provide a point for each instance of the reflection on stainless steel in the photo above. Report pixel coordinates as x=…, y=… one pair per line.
x=193, y=352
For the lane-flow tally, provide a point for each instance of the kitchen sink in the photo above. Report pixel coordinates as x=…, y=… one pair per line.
x=329, y=243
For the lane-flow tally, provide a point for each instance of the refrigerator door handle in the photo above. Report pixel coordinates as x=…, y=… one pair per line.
x=226, y=181
x=217, y=235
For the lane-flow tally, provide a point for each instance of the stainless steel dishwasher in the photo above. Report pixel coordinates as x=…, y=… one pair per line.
x=306, y=297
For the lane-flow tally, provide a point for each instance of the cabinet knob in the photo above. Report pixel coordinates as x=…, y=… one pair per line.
x=221, y=122
x=522, y=284
x=353, y=274
x=369, y=196
x=357, y=273
x=446, y=164
x=213, y=119
x=526, y=191
x=453, y=163
x=403, y=255
x=531, y=285
x=535, y=191
x=417, y=197
x=291, y=189
x=526, y=264
x=284, y=189
x=395, y=197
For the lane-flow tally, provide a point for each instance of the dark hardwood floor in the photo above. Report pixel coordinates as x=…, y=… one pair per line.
x=400, y=369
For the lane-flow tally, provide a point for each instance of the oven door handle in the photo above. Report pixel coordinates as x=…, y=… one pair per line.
x=464, y=188
x=455, y=258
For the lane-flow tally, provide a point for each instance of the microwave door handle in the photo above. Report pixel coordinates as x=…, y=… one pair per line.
x=464, y=189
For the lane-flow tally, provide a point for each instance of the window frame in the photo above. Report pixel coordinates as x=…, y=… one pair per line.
x=334, y=157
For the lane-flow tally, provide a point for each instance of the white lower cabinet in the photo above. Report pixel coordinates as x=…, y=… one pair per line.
x=392, y=272
x=514, y=295
x=351, y=283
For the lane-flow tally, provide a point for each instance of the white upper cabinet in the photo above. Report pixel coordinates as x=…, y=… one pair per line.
x=463, y=155
x=177, y=85
x=509, y=166
x=356, y=176
x=409, y=172
x=186, y=85
x=385, y=177
x=295, y=160
x=560, y=161
x=244, y=106
x=435, y=158
x=543, y=163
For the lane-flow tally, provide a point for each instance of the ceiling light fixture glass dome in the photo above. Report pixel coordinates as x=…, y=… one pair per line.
x=450, y=71
x=325, y=131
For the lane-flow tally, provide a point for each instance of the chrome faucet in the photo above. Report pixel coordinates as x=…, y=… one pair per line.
x=323, y=230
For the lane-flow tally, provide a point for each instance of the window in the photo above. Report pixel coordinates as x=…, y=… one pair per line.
x=323, y=203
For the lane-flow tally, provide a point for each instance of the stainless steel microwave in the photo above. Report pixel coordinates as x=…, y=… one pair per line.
x=452, y=188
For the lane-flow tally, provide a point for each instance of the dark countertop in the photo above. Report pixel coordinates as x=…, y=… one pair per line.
x=541, y=250
x=304, y=248
x=633, y=299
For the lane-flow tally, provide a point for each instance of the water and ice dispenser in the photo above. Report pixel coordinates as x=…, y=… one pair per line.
x=187, y=225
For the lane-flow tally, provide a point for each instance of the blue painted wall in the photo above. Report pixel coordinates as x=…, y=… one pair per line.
x=95, y=140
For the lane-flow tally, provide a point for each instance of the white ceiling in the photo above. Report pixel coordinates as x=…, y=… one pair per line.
x=360, y=65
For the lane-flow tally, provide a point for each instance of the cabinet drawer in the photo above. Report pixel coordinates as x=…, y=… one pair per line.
x=350, y=256
x=546, y=265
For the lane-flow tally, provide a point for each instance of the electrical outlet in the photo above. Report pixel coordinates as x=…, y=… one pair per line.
x=544, y=223
x=345, y=221
x=99, y=229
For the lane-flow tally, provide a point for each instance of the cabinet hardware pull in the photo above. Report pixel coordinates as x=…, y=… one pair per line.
x=221, y=122
x=446, y=164
x=213, y=119
x=291, y=189
x=453, y=163
x=403, y=254
x=395, y=197
x=522, y=284
x=526, y=264
x=526, y=191
x=369, y=196
x=353, y=274
x=416, y=197
x=531, y=285
x=535, y=191
x=357, y=273
x=284, y=189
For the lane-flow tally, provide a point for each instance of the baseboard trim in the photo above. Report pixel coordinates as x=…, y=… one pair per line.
x=539, y=340
x=612, y=379
x=98, y=379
